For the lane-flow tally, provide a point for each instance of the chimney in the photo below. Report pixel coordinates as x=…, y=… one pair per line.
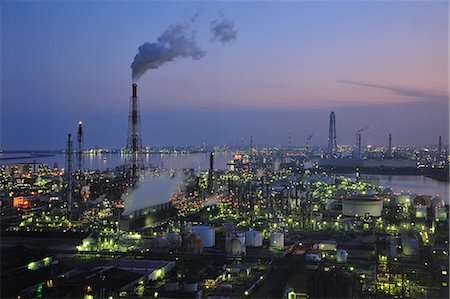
x=134, y=90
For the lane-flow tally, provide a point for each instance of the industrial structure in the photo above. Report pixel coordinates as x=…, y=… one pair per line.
x=80, y=141
x=332, y=145
x=134, y=141
x=68, y=171
x=389, y=153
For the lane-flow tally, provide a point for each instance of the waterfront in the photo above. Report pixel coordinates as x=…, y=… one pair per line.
x=197, y=161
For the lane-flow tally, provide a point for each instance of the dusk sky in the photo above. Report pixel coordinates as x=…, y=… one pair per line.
x=380, y=64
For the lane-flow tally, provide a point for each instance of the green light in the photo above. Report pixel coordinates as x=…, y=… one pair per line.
x=155, y=294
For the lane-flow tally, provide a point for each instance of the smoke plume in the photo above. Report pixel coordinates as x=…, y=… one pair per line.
x=363, y=129
x=223, y=30
x=310, y=137
x=178, y=41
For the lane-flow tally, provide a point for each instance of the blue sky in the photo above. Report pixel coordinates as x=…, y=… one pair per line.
x=381, y=64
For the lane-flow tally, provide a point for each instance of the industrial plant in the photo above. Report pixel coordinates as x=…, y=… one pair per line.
x=294, y=222
x=313, y=216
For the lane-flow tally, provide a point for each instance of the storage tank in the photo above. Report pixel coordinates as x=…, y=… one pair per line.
x=326, y=245
x=235, y=247
x=228, y=227
x=440, y=213
x=174, y=239
x=362, y=206
x=206, y=233
x=437, y=202
x=190, y=286
x=421, y=211
x=313, y=257
x=341, y=256
x=276, y=240
x=171, y=285
x=235, y=235
x=403, y=199
x=410, y=245
x=253, y=238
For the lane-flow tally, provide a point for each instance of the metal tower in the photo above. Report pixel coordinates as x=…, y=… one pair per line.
x=359, y=146
x=134, y=142
x=290, y=139
x=332, y=145
x=68, y=171
x=211, y=172
x=440, y=145
x=80, y=140
x=390, y=146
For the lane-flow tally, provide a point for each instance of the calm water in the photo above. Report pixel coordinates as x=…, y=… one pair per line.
x=198, y=161
x=414, y=184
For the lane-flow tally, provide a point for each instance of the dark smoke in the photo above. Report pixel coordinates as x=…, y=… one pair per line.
x=310, y=137
x=223, y=30
x=176, y=42
x=363, y=129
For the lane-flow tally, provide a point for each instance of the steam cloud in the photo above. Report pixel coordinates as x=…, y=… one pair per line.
x=363, y=129
x=223, y=30
x=176, y=42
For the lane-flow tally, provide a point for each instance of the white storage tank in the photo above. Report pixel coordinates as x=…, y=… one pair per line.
x=235, y=247
x=362, y=206
x=326, y=245
x=236, y=235
x=206, y=233
x=341, y=256
x=253, y=238
x=276, y=240
x=421, y=211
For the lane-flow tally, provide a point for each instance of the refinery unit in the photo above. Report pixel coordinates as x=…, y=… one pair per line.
x=276, y=222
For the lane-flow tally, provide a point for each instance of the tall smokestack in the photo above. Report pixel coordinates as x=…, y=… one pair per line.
x=440, y=145
x=80, y=139
x=390, y=146
x=359, y=145
x=134, y=91
x=332, y=145
x=134, y=142
x=68, y=172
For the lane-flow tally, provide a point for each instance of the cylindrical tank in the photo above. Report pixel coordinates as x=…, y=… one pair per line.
x=437, y=202
x=236, y=235
x=440, y=213
x=403, y=199
x=171, y=285
x=174, y=239
x=235, y=247
x=277, y=240
x=190, y=286
x=410, y=246
x=341, y=256
x=421, y=211
x=253, y=238
x=362, y=206
x=206, y=233
x=228, y=227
